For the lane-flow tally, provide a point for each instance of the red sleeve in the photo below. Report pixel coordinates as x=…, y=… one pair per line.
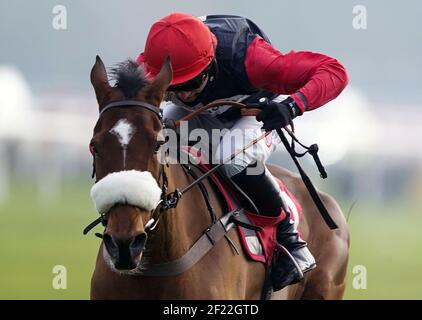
x=312, y=79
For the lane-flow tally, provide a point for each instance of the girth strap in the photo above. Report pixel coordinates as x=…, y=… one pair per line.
x=201, y=247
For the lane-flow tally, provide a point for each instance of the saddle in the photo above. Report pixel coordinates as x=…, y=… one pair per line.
x=257, y=232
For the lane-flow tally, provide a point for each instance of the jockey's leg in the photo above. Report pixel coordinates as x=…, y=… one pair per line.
x=249, y=173
x=292, y=263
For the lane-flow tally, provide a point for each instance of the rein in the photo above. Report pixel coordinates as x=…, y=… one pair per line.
x=133, y=103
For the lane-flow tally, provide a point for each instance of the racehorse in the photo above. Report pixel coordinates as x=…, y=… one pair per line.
x=125, y=139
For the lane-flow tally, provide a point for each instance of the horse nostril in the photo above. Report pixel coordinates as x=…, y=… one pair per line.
x=125, y=253
x=138, y=244
x=111, y=246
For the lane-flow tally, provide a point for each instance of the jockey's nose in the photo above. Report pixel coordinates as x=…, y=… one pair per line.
x=187, y=96
x=125, y=253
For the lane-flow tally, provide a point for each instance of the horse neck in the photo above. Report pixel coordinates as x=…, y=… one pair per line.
x=180, y=227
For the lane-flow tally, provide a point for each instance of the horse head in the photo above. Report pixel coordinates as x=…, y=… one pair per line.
x=124, y=142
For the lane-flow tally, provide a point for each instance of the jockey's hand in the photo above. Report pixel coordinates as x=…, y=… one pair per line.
x=276, y=115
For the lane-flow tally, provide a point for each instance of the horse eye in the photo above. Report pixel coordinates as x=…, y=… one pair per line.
x=161, y=138
x=93, y=149
x=160, y=141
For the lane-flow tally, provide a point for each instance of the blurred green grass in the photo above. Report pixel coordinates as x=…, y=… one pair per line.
x=37, y=235
x=386, y=240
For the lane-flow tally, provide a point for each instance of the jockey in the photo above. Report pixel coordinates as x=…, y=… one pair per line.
x=221, y=56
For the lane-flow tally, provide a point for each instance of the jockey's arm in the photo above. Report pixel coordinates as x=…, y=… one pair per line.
x=312, y=79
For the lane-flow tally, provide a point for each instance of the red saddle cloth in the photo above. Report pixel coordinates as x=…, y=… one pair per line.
x=258, y=245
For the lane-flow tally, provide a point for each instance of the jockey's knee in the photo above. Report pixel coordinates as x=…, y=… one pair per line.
x=250, y=169
x=232, y=169
x=234, y=166
x=253, y=158
x=239, y=164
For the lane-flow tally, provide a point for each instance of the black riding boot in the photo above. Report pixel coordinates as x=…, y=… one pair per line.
x=291, y=246
x=292, y=257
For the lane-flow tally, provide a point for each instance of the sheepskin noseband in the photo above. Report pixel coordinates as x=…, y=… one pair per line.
x=137, y=188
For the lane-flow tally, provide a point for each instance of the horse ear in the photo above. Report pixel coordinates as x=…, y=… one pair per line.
x=99, y=80
x=156, y=90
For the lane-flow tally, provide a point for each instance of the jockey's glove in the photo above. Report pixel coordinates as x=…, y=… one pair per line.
x=276, y=115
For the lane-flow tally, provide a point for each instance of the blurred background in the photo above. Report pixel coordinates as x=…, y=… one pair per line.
x=369, y=137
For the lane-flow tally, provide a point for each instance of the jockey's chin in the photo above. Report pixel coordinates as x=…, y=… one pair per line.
x=187, y=97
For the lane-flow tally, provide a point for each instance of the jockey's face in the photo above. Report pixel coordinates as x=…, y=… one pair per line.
x=191, y=95
x=188, y=91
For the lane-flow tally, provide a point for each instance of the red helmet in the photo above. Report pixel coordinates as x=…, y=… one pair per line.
x=185, y=39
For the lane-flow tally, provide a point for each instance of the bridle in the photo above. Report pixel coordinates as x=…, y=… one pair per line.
x=133, y=103
x=126, y=104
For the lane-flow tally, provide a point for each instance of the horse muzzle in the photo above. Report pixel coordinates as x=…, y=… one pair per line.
x=125, y=197
x=125, y=254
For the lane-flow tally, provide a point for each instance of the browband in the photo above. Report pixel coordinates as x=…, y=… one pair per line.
x=133, y=103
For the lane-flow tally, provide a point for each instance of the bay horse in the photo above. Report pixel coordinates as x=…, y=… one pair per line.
x=125, y=139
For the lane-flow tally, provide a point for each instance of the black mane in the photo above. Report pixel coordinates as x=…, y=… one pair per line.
x=129, y=77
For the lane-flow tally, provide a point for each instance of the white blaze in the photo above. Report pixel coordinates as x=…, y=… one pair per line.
x=124, y=131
